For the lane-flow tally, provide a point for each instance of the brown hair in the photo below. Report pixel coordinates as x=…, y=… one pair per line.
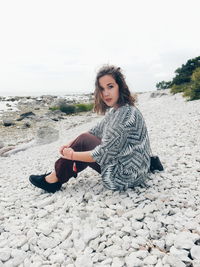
x=125, y=96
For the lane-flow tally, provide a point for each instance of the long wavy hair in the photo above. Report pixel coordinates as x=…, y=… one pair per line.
x=125, y=96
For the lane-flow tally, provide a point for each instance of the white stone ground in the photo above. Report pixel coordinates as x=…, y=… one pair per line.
x=87, y=225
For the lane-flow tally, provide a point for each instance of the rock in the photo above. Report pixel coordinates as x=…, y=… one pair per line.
x=157, y=94
x=87, y=196
x=159, y=243
x=134, y=245
x=150, y=208
x=31, y=233
x=142, y=233
x=153, y=95
x=19, y=148
x=46, y=135
x=173, y=261
x=45, y=228
x=4, y=150
x=1, y=144
x=57, y=258
x=29, y=114
x=114, y=251
x=136, y=214
x=159, y=263
x=136, y=225
x=90, y=234
x=55, y=115
x=140, y=240
x=26, y=125
x=21, y=240
x=117, y=262
x=170, y=239
x=196, y=263
x=18, y=256
x=47, y=242
x=132, y=261
x=5, y=254
x=109, y=212
x=141, y=253
x=127, y=229
x=8, y=122
x=185, y=240
x=83, y=261
x=195, y=252
x=182, y=254
x=150, y=260
x=45, y=202
x=79, y=245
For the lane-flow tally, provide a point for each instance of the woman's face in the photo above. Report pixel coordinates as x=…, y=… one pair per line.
x=109, y=90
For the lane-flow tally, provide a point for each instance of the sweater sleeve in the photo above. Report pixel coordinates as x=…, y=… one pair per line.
x=97, y=130
x=111, y=144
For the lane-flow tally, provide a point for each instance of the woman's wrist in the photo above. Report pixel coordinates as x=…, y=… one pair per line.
x=72, y=154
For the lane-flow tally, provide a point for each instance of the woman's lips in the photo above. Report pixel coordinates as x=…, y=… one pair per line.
x=108, y=99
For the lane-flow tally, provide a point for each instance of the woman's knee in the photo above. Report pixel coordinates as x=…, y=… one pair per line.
x=84, y=136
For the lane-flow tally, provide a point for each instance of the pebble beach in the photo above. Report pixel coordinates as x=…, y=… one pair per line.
x=85, y=224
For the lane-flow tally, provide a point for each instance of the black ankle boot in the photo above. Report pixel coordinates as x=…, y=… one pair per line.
x=39, y=181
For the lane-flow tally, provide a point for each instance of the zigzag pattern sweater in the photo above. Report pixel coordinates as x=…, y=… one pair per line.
x=124, y=152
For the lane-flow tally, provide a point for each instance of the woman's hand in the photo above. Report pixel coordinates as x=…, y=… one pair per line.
x=68, y=153
x=65, y=146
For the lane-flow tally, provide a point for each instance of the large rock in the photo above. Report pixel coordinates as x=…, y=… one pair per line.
x=55, y=115
x=29, y=114
x=46, y=135
x=8, y=122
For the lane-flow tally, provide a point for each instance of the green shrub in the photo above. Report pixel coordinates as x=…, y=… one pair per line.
x=54, y=108
x=177, y=88
x=68, y=109
x=193, y=91
x=84, y=107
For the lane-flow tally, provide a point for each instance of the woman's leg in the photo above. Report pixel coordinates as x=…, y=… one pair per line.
x=64, y=167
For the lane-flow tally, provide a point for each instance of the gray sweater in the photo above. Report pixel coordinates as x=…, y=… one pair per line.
x=124, y=152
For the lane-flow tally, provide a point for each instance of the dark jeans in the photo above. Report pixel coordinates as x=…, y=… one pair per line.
x=64, y=167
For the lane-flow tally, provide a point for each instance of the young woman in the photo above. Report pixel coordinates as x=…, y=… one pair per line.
x=118, y=147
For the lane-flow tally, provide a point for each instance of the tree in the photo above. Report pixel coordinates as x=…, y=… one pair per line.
x=183, y=74
x=163, y=85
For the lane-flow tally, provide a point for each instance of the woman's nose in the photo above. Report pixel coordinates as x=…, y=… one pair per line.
x=106, y=93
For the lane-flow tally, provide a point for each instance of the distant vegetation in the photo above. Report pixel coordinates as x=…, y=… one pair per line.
x=73, y=108
x=187, y=80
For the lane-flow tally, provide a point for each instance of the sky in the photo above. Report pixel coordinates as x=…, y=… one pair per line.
x=57, y=46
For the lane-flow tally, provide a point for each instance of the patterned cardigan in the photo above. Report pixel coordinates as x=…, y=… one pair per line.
x=124, y=152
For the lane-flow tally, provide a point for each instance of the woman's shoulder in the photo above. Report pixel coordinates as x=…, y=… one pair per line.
x=130, y=114
x=127, y=109
x=123, y=113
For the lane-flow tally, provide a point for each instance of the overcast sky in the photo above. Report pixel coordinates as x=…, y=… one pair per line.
x=57, y=46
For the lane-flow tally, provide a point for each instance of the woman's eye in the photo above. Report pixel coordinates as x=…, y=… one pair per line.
x=110, y=86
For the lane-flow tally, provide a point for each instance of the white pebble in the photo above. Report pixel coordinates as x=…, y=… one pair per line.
x=4, y=254
x=195, y=252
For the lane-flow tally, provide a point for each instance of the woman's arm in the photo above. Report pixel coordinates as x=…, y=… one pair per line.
x=85, y=156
